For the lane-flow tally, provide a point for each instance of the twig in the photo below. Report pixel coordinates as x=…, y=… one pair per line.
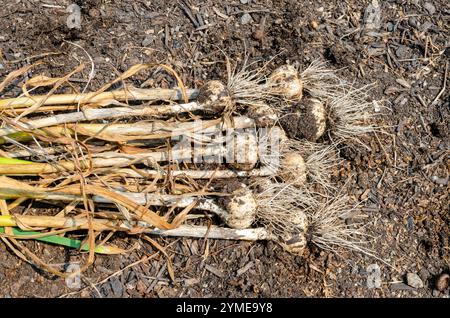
x=444, y=86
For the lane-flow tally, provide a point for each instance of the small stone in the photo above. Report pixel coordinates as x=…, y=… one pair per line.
x=427, y=26
x=149, y=39
x=314, y=24
x=410, y=223
x=442, y=282
x=376, y=106
x=177, y=45
x=414, y=280
x=1, y=66
x=372, y=16
x=244, y=1
x=85, y=294
x=246, y=18
x=105, y=291
x=441, y=181
x=412, y=21
x=390, y=27
x=429, y=7
x=373, y=276
x=74, y=19
x=191, y=281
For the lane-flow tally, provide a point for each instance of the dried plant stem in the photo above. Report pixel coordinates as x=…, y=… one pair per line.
x=156, y=127
x=102, y=113
x=143, y=199
x=135, y=131
x=29, y=221
x=214, y=232
x=27, y=152
x=122, y=95
x=13, y=189
x=242, y=148
x=263, y=204
x=198, y=174
x=179, y=201
x=113, y=160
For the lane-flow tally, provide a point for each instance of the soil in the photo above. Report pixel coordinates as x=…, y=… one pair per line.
x=401, y=173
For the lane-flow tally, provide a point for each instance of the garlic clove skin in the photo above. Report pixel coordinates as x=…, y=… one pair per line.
x=285, y=82
x=241, y=208
x=214, y=96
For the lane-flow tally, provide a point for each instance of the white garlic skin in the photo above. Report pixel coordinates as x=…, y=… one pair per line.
x=214, y=96
x=241, y=209
x=286, y=82
x=317, y=110
x=296, y=243
x=300, y=220
x=293, y=168
x=263, y=115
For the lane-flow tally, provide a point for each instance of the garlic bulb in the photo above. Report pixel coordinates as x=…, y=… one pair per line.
x=214, y=96
x=285, y=82
x=241, y=208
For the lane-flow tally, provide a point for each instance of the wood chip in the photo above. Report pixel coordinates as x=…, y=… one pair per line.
x=191, y=281
x=315, y=268
x=403, y=82
x=365, y=195
x=245, y=268
x=219, y=14
x=214, y=270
